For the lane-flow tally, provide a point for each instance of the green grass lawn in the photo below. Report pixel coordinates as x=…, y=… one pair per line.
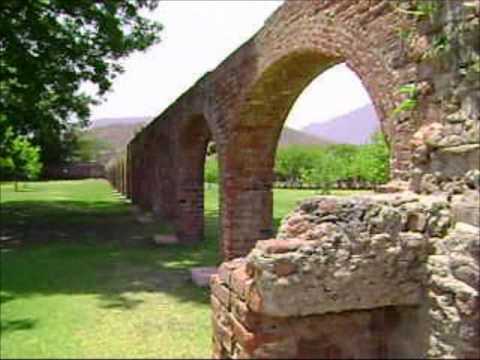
x=80, y=277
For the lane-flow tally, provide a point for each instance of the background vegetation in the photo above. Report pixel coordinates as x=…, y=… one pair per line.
x=324, y=166
x=19, y=158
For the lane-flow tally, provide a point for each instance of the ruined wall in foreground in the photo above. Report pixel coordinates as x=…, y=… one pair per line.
x=384, y=276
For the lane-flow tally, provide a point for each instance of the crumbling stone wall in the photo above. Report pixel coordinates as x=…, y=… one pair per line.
x=385, y=276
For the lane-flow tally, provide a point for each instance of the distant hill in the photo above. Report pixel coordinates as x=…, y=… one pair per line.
x=117, y=132
x=356, y=127
x=117, y=135
x=297, y=137
x=101, y=122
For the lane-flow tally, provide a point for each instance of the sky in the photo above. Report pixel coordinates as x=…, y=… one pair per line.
x=197, y=36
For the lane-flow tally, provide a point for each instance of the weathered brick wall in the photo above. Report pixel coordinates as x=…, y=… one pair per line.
x=385, y=276
x=298, y=42
x=162, y=168
x=243, y=103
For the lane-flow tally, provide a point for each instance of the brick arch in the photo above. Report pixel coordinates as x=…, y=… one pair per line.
x=282, y=67
x=245, y=100
x=248, y=158
x=192, y=136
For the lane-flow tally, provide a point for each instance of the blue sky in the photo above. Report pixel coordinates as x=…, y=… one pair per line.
x=197, y=36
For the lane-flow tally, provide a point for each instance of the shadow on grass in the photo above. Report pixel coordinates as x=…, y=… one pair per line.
x=97, y=247
x=119, y=301
x=37, y=222
x=75, y=247
x=7, y=326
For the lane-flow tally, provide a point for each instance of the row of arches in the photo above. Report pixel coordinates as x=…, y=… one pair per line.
x=242, y=106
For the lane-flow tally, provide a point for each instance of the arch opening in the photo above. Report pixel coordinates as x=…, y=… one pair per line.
x=250, y=158
x=339, y=147
x=193, y=138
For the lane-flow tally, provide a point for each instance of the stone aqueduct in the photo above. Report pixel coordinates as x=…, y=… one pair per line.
x=242, y=105
x=387, y=275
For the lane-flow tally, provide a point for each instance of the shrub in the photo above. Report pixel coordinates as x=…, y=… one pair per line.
x=19, y=159
x=323, y=166
x=211, y=169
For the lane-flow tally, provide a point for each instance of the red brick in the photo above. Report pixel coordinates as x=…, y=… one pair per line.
x=220, y=291
x=277, y=246
x=241, y=282
x=223, y=333
x=253, y=89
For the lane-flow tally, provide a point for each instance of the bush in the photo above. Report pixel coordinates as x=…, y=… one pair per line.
x=372, y=161
x=211, y=169
x=323, y=166
x=19, y=159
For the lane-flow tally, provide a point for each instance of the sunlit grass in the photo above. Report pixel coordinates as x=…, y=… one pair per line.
x=80, y=277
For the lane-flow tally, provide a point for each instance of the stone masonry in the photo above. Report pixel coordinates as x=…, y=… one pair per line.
x=385, y=276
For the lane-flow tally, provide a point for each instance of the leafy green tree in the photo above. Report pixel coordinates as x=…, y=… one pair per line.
x=88, y=148
x=211, y=169
x=343, y=155
x=324, y=171
x=372, y=160
x=19, y=159
x=293, y=162
x=51, y=47
x=324, y=165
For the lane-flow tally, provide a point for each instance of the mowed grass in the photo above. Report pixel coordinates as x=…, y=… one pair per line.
x=81, y=277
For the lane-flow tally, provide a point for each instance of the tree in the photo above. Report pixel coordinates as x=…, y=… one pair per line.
x=19, y=159
x=326, y=165
x=372, y=160
x=211, y=169
x=325, y=171
x=293, y=162
x=49, y=48
x=89, y=148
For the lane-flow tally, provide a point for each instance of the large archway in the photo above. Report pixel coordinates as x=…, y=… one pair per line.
x=246, y=99
x=249, y=158
x=193, y=137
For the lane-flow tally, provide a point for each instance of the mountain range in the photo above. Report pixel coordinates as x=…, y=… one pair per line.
x=117, y=132
x=355, y=127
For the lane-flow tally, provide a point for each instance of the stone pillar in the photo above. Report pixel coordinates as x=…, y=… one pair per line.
x=189, y=201
x=128, y=177
x=189, y=218
x=247, y=204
